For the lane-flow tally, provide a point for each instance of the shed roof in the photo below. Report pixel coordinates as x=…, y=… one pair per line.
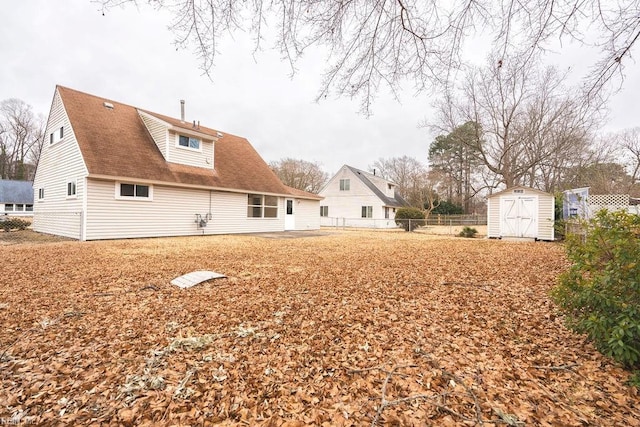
x=114, y=142
x=12, y=192
x=510, y=189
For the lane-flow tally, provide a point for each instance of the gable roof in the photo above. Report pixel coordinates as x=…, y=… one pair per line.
x=115, y=143
x=12, y=192
x=395, y=201
x=519, y=187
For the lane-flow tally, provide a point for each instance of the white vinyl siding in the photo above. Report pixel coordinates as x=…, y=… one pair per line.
x=306, y=212
x=171, y=213
x=202, y=157
x=158, y=131
x=56, y=213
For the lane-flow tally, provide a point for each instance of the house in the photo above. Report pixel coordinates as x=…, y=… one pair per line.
x=578, y=203
x=16, y=198
x=521, y=212
x=110, y=170
x=355, y=198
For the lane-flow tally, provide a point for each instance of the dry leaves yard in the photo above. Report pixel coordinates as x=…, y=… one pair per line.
x=349, y=328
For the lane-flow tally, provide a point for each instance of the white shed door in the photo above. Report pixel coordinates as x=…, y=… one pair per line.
x=518, y=216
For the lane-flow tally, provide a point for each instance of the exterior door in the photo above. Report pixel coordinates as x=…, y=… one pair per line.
x=289, y=215
x=518, y=216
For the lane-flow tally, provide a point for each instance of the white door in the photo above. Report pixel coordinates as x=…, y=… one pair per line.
x=289, y=217
x=518, y=216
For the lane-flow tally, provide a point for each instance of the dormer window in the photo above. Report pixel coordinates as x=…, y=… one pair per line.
x=188, y=142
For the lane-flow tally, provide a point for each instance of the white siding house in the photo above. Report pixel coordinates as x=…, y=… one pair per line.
x=109, y=170
x=355, y=198
x=521, y=212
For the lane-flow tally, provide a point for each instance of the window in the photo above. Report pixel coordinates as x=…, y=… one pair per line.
x=71, y=189
x=289, y=207
x=259, y=206
x=386, y=212
x=188, y=142
x=19, y=208
x=344, y=184
x=40, y=193
x=8, y=207
x=56, y=135
x=134, y=191
x=367, y=211
x=29, y=208
x=324, y=210
x=390, y=187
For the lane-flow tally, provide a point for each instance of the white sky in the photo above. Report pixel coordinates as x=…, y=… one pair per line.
x=128, y=56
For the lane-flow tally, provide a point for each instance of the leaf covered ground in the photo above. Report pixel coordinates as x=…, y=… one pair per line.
x=351, y=328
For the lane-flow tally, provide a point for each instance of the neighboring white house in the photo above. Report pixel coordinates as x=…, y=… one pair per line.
x=521, y=212
x=16, y=198
x=110, y=170
x=578, y=203
x=355, y=198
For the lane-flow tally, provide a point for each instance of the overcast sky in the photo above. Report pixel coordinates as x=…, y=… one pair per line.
x=128, y=56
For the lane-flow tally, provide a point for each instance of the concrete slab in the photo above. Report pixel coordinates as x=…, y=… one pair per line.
x=195, y=277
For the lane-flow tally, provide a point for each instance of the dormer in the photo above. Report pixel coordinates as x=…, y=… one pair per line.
x=181, y=142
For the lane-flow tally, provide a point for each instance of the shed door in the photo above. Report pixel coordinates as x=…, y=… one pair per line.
x=518, y=216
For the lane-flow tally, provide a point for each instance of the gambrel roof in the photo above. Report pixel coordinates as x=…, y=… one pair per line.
x=396, y=201
x=115, y=143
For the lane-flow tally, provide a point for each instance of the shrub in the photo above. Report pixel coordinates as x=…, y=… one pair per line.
x=600, y=293
x=14, y=224
x=468, y=232
x=409, y=218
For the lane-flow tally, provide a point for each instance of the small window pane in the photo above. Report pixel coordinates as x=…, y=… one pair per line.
x=29, y=208
x=254, y=212
x=8, y=208
x=183, y=141
x=270, y=212
x=142, y=191
x=255, y=199
x=19, y=207
x=127, y=190
x=194, y=143
x=62, y=132
x=270, y=201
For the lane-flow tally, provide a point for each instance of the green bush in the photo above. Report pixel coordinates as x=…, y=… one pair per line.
x=14, y=224
x=404, y=215
x=600, y=293
x=468, y=232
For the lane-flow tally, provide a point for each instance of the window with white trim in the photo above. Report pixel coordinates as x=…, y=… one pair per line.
x=345, y=184
x=57, y=135
x=40, y=193
x=71, y=189
x=324, y=210
x=8, y=207
x=188, y=142
x=261, y=206
x=134, y=191
x=367, y=212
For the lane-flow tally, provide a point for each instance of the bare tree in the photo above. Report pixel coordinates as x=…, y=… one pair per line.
x=21, y=140
x=411, y=177
x=526, y=116
x=384, y=42
x=300, y=174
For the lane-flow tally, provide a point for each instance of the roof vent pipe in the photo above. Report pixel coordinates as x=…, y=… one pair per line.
x=182, y=110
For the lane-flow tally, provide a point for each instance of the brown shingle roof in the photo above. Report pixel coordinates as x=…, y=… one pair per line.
x=116, y=143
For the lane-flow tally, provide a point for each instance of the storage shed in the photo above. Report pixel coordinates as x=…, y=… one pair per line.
x=521, y=212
